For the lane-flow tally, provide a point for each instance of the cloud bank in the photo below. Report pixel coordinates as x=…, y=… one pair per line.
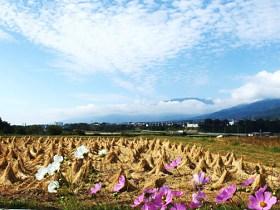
x=262, y=85
x=129, y=37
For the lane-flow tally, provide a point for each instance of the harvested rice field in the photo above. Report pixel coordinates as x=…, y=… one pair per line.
x=84, y=172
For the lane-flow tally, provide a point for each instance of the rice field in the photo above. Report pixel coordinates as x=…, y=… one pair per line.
x=111, y=172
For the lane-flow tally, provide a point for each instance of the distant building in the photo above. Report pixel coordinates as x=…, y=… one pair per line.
x=58, y=123
x=180, y=131
x=192, y=125
x=231, y=123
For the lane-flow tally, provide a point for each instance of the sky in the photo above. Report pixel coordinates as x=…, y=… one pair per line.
x=66, y=60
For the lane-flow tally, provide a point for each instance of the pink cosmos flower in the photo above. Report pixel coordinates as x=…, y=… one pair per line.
x=146, y=196
x=173, y=164
x=155, y=199
x=262, y=200
x=96, y=188
x=120, y=185
x=248, y=182
x=148, y=200
x=200, y=179
x=167, y=195
x=197, y=200
x=178, y=206
x=226, y=193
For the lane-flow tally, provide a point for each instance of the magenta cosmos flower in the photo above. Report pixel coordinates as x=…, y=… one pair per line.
x=248, y=182
x=200, y=179
x=178, y=206
x=96, y=188
x=173, y=164
x=120, y=185
x=148, y=200
x=262, y=200
x=197, y=200
x=146, y=196
x=226, y=193
x=167, y=195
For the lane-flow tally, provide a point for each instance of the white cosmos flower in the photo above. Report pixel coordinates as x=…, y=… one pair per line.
x=41, y=173
x=58, y=158
x=53, y=186
x=53, y=167
x=50, y=169
x=102, y=152
x=80, y=151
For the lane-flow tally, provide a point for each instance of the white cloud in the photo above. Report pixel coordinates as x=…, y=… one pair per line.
x=127, y=37
x=5, y=36
x=260, y=86
x=256, y=87
x=190, y=107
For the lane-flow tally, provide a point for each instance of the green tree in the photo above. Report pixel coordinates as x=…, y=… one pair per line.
x=54, y=130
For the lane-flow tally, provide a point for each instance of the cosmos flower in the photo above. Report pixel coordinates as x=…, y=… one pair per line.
x=58, y=158
x=200, y=179
x=262, y=200
x=41, y=173
x=178, y=206
x=155, y=199
x=173, y=164
x=50, y=169
x=197, y=200
x=102, y=152
x=53, y=186
x=226, y=193
x=80, y=151
x=148, y=200
x=167, y=195
x=96, y=188
x=248, y=182
x=120, y=185
x=53, y=167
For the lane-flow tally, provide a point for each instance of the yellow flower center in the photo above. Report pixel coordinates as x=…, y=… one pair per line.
x=263, y=204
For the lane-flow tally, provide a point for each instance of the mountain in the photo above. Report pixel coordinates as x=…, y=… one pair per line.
x=265, y=109
x=121, y=118
x=205, y=101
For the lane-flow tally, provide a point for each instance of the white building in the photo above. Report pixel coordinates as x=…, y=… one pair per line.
x=192, y=125
x=231, y=123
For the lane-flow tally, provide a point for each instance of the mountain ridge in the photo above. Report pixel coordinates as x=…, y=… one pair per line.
x=266, y=109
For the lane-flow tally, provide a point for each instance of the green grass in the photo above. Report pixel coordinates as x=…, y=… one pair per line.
x=250, y=151
x=22, y=203
x=274, y=149
x=72, y=203
x=76, y=205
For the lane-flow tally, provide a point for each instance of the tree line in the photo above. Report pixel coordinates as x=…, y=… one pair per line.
x=241, y=126
x=7, y=128
x=207, y=125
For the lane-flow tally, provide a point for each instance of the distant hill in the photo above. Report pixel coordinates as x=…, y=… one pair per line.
x=115, y=118
x=120, y=118
x=265, y=109
x=202, y=100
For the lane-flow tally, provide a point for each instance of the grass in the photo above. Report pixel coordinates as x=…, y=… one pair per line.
x=275, y=149
x=71, y=203
x=263, y=150
x=26, y=204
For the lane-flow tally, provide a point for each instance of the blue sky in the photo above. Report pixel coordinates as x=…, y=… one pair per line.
x=71, y=59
